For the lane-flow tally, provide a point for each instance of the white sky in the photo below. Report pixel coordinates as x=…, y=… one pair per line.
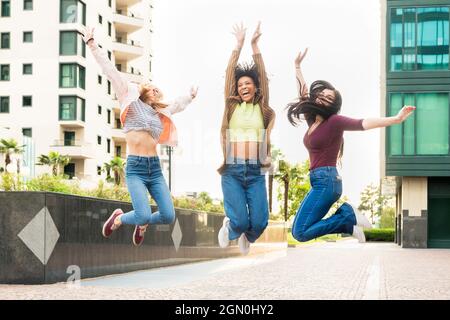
x=193, y=41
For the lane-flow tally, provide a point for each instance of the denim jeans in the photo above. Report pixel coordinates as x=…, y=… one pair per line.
x=143, y=174
x=326, y=189
x=245, y=199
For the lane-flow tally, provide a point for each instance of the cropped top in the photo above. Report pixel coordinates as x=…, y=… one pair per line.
x=246, y=123
x=141, y=116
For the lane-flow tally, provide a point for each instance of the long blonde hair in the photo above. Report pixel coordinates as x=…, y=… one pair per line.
x=144, y=90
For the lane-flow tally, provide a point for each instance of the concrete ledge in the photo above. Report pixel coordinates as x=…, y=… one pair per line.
x=49, y=237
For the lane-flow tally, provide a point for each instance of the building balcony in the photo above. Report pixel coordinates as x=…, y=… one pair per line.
x=75, y=149
x=135, y=77
x=125, y=3
x=127, y=49
x=72, y=123
x=118, y=135
x=127, y=22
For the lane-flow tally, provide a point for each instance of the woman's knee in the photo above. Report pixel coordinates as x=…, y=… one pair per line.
x=300, y=235
x=167, y=216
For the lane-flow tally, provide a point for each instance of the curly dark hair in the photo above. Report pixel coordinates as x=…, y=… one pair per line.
x=246, y=70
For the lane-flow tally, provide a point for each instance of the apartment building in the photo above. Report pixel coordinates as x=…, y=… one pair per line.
x=415, y=155
x=51, y=88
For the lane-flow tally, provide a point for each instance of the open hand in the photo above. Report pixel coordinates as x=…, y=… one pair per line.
x=257, y=34
x=300, y=57
x=239, y=33
x=194, y=91
x=88, y=34
x=404, y=113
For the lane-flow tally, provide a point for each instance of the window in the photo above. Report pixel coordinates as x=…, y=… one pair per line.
x=109, y=87
x=118, y=151
x=99, y=140
x=27, y=68
x=109, y=29
x=100, y=19
x=69, y=138
x=108, y=116
x=72, y=11
x=27, y=132
x=99, y=109
x=108, y=145
x=6, y=8
x=28, y=36
x=4, y=72
x=71, y=43
x=419, y=38
x=69, y=170
x=68, y=106
x=27, y=4
x=5, y=41
x=99, y=170
x=99, y=79
x=4, y=104
x=109, y=55
x=27, y=101
x=110, y=3
x=416, y=136
x=83, y=109
x=71, y=75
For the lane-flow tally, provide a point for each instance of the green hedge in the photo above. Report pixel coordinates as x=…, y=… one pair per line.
x=380, y=235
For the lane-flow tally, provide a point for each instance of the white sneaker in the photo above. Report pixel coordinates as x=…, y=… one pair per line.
x=244, y=244
x=358, y=233
x=223, y=233
x=361, y=220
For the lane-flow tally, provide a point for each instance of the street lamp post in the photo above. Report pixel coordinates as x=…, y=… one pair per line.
x=169, y=151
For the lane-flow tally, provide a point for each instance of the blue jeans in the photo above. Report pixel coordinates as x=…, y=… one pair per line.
x=326, y=189
x=143, y=174
x=245, y=199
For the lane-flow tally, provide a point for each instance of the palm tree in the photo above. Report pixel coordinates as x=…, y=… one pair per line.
x=117, y=165
x=53, y=159
x=276, y=156
x=287, y=174
x=107, y=169
x=10, y=147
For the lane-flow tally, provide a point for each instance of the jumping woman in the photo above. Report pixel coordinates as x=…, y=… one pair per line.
x=147, y=122
x=245, y=137
x=324, y=141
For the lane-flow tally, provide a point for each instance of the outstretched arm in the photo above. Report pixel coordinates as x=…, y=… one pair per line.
x=119, y=85
x=402, y=115
x=257, y=58
x=302, y=87
x=239, y=33
x=180, y=103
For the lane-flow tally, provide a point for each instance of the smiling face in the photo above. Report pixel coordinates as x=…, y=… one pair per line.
x=150, y=94
x=246, y=89
x=326, y=97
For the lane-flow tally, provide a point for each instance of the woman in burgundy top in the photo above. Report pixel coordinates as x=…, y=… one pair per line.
x=324, y=141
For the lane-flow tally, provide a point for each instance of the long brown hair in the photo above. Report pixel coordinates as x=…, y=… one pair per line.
x=144, y=91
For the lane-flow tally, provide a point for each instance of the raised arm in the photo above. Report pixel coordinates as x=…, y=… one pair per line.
x=402, y=115
x=180, y=103
x=239, y=33
x=119, y=84
x=257, y=58
x=302, y=86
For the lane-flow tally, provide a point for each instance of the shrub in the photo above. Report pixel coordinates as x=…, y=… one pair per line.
x=380, y=234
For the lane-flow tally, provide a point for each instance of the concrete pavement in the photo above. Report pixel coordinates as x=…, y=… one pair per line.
x=335, y=270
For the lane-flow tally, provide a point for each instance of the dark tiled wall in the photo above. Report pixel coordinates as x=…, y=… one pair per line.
x=78, y=221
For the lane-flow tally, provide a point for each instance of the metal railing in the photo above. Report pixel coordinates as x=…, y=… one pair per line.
x=128, y=14
x=128, y=42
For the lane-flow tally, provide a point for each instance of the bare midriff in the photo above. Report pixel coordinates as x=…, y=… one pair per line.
x=141, y=143
x=245, y=150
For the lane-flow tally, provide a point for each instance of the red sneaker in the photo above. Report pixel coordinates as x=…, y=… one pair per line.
x=109, y=225
x=138, y=235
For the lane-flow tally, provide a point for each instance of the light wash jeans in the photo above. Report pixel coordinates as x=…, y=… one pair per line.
x=143, y=174
x=245, y=199
x=326, y=189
